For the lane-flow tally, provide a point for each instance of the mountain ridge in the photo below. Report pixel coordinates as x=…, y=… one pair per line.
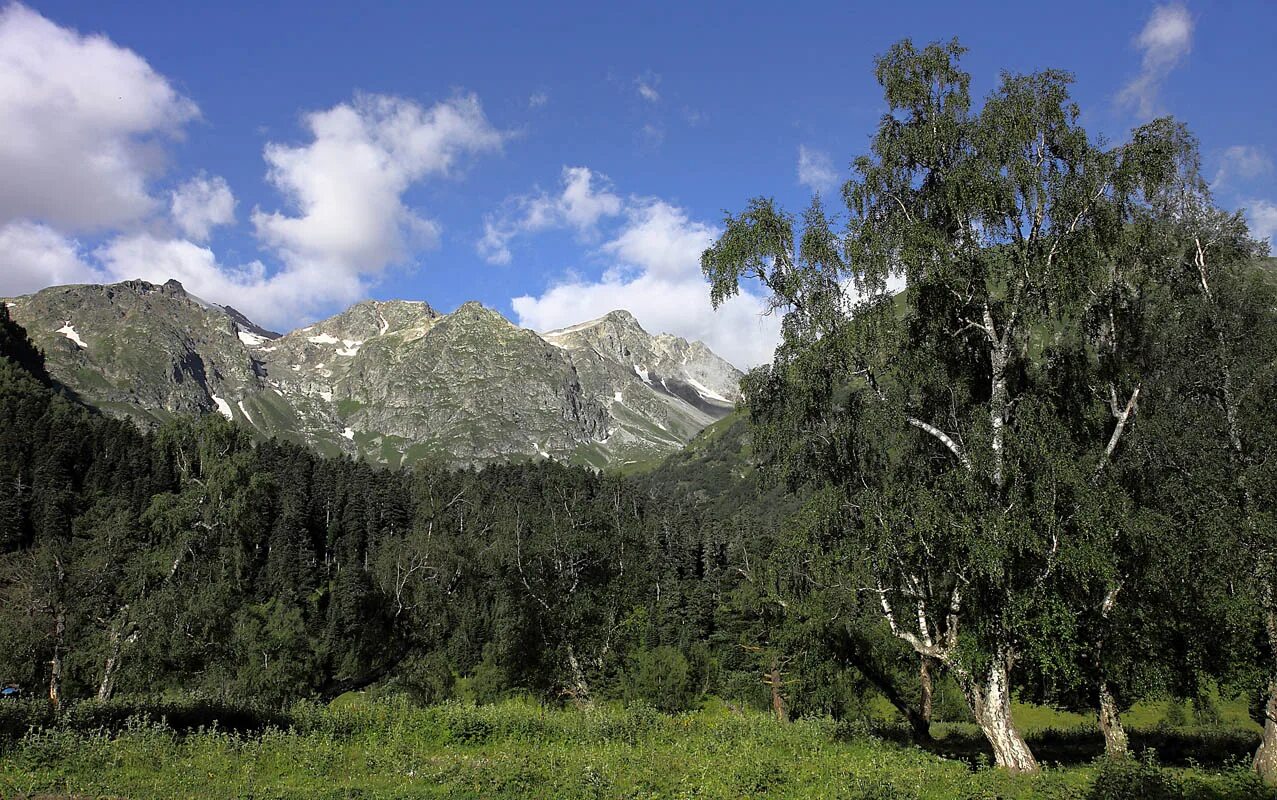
x=390, y=381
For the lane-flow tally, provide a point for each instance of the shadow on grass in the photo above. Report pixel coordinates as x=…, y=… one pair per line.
x=1180, y=747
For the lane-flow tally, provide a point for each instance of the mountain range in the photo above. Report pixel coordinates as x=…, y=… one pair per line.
x=391, y=382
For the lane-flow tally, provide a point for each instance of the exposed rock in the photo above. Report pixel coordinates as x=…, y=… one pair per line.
x=393, y=381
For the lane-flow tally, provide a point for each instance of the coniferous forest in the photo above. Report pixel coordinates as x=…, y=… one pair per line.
x=1013, y=459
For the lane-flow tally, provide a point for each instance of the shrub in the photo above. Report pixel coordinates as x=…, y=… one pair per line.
x=1128, y=779
x=662, y=678
x=487, y=683
x=19, y=716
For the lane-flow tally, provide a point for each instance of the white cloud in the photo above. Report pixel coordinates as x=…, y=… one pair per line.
x=655, y=275
x=1241, y=162
x=350, y=223
x=538, y=99
x=277, y=300
x=816, y=169
x=1262, y=216
x=347, y=184
x=82, y=123
x=647, y=88
x=201, y=204
x=1166, y=38
x=34, y=256
x=659, y=239
x=580, y=205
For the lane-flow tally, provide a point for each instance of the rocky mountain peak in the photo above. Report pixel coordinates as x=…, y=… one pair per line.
x=388, y=381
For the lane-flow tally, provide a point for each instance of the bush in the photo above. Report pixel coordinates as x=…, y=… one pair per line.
x=488, y=682
x=662, y=678
x=180, y=715
x=1128, y=779
x=19, y=716
x=428, y=680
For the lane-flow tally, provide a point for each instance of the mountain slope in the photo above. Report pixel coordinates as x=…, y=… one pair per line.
x=392, y=382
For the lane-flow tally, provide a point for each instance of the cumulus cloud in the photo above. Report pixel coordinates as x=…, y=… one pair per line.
x=654, y=273
x=82, y=122
x=1241, y=163
x=660, y=240
x=201, y=204
x=1262, y=216
x=275, y=300
x=34, y=256
x=347, y=184
x=1166, y=38
x=348, y=224
x=349, y=221
x=816, y=169
x=585, y=198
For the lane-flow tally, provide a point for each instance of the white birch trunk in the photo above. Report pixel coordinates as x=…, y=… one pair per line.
x=578, y=688
x=1116, y=743
x=990, y=701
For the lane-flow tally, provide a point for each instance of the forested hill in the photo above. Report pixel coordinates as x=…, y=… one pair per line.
x=191, y=559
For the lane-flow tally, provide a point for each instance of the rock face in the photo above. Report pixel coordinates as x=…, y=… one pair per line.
x=392, y=382
x=660, y=390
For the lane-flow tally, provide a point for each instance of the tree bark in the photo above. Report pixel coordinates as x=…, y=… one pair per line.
x=578, y=688
x=107, y=686
x=1115, y=742
x=990, y=700
x=925, y=685
x=1265, y=762
x=55, y=664
x=778, y=696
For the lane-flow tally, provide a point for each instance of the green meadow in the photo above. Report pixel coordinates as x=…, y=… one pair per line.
x=522, y=749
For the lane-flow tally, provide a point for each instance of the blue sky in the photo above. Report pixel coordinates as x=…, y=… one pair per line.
x=553, y=163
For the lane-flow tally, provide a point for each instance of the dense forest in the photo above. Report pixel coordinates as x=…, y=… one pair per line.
x=1018, y=441
x=191, y=559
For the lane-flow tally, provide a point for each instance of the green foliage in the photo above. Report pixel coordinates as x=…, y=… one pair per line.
x=662, y=678
x=964, y=376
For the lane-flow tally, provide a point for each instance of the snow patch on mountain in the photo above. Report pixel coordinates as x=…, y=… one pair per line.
x=68, y=331
x=705, y=391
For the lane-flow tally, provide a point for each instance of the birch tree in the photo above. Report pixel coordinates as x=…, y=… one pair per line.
x=988, y=261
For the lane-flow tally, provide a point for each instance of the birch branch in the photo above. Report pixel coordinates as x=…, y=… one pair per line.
x=945, y=439
x=1122, y=420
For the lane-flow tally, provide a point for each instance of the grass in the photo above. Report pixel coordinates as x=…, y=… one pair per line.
x=519, y=749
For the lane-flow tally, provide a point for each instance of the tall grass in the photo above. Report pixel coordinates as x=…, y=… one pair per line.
x=518, y=748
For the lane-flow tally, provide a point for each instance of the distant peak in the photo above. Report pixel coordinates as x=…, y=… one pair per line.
x=622, y=316
x=617, y=316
